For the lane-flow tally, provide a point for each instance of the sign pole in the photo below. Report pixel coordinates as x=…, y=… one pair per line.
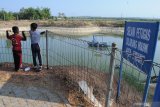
x=119, y=82
x=156, y=98
x=146, y=89
x=149, y=73
x=120, y=72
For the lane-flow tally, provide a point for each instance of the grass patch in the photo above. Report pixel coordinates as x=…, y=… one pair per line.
x=133, y=81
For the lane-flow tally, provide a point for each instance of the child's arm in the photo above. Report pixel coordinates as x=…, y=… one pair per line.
x=24, y=36
x=42, y=32
x=7, y=34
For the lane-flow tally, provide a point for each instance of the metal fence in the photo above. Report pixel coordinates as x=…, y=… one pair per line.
x=88, y=68
x=75, y=53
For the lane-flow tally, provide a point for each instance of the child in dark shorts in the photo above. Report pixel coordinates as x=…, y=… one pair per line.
x=35, y=39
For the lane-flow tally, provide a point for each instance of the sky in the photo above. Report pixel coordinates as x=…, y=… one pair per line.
x=99, y=8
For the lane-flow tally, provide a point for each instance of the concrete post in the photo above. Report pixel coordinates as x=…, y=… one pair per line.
x=111, y=72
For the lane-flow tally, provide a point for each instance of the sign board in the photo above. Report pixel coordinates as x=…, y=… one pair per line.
x=139, y=44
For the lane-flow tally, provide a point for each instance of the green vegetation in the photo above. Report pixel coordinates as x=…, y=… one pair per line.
x=6, y=15
x=133, y=81
x=26, y=14
x=31, y=13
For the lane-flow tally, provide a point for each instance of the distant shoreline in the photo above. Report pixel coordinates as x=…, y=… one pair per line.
x=79, y=31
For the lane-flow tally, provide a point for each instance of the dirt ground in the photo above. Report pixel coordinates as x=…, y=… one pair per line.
x=45, y=79
x=20, y=23
x=64, y=79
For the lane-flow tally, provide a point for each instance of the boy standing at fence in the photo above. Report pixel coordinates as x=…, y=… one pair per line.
x=16, y=39
x=35, y=39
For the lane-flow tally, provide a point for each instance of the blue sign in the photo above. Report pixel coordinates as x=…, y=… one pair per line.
x=139, y=44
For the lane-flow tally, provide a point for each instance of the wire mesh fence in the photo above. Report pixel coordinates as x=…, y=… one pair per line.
x=6, y=49
x=76, y=53
x=82, y=65
x=86, y=68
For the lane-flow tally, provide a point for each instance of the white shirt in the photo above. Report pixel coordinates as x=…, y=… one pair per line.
x=35, y=36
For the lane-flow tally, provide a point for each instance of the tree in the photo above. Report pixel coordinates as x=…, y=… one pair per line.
x=26, y=13
x=4, y=15
x=16, y=15
x=45, y=13
x=9, y=16
x=35, y=13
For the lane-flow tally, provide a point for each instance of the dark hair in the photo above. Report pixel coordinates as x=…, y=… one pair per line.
x=15, y=29
x=34, y=26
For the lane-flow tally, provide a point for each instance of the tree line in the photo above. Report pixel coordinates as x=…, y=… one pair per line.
x=26, y=14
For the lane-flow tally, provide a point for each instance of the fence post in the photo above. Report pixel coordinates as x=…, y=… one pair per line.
x=111, y=72
x=47, y=49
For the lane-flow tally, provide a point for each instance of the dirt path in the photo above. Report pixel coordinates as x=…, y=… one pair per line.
x=12, y=95
x=30, y=89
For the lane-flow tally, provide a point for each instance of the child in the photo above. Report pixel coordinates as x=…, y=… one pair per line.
x=35, y=39
x=16, y=39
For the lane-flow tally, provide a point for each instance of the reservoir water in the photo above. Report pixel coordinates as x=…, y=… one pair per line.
x=62, y=49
